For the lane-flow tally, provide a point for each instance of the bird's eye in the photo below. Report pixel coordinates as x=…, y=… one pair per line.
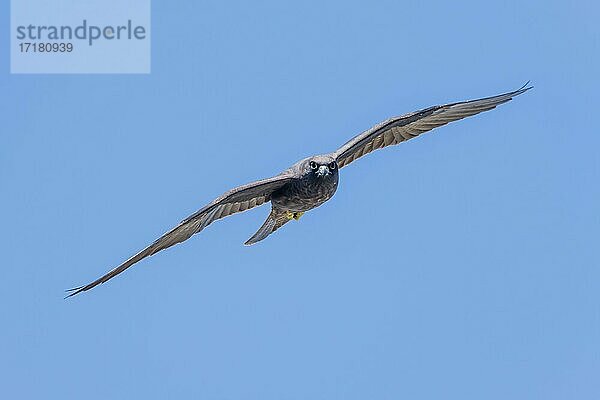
x=332, y=165
x=313, y=165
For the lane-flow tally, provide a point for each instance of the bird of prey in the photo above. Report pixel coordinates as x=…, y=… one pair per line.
x=311, y=181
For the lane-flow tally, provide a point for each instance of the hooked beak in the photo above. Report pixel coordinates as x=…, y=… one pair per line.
x=323, y=170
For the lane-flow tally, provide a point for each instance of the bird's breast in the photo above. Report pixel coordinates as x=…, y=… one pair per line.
x=305, y=194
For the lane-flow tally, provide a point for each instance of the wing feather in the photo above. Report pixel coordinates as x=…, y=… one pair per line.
x=399, y=129
x=236, y=200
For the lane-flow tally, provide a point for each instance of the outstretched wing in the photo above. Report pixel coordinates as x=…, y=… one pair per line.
x=398, y=129
x=236, y=200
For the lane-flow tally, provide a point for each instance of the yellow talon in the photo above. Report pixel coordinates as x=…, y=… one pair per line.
x=293, y=215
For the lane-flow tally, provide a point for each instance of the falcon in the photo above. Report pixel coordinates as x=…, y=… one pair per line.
x=311, y=181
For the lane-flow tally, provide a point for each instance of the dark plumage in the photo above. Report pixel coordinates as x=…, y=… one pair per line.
x=311, y=181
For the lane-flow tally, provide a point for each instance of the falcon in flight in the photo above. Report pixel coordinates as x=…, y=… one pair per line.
x=311, y=181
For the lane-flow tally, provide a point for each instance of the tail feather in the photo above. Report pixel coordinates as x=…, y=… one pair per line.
x=274, y=221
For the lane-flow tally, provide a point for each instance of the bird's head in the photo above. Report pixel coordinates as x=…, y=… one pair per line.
x=322, y=166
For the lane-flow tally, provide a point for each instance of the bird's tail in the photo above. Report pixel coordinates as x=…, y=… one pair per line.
x=276, y=219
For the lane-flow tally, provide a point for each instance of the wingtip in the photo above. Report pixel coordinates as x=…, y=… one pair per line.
x=525, y=87
x=72, y=292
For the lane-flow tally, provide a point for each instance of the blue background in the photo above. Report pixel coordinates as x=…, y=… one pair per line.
x=463, y=264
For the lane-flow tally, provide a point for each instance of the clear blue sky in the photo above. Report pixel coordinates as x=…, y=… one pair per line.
x=461, y=265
